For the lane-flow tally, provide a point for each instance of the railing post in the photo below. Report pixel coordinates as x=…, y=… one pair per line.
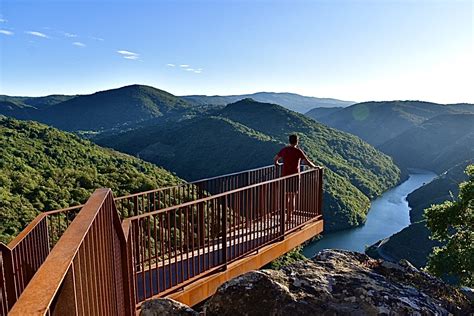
x=135, y=206
x=283, y=206
x=7, y=262
x=321, y=191
x=224, y=236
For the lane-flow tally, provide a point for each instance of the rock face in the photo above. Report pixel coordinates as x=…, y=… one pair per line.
x=337, y=282
x=165, y=307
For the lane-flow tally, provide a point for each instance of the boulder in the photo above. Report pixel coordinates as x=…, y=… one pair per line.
x=166, y=307
x=337, y=282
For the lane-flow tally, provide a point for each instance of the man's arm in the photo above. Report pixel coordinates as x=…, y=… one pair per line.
x=308, y=162
x=276, y=160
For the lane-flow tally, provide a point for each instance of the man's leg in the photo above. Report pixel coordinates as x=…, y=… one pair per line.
x=291, y=201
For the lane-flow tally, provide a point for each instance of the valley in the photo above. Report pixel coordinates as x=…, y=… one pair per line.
x=198, y=136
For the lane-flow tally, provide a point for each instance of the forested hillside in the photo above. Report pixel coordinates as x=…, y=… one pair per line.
x=378, y=122
x=248, y=134
x=437, y=144
x=318, y=113
x=42, y=168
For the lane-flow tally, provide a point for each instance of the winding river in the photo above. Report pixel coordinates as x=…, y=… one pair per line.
x=388, y=214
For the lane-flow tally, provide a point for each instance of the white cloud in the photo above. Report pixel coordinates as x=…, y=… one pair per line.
x=38, y=34
x=198, y=71
x=5, y=32
x=70, y=35
x=97, y=38
x=79, y=44
x=128, y=54
x=170, y=65
x=184, y=66
x=3, y=20
x=189, y=69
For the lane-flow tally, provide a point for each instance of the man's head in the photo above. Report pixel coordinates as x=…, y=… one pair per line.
x=293, y=139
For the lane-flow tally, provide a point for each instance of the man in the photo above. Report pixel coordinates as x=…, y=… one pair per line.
x=292, y=157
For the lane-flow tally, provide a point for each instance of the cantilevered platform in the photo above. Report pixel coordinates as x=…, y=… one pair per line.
x=109, y=255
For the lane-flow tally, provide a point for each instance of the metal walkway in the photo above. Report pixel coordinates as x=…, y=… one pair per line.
x=109, y=255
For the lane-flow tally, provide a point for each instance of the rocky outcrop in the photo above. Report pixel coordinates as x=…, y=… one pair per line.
x=334, y=282
x=338, y=283
x=166, y=307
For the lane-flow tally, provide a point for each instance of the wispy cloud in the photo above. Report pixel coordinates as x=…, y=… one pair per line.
x=3, y=20
x=184, y=66
x=70, y=35
x=38, y=34
x=170, y=65
x=198, y=71
x=128, y=54
x=97, y=38
x=79, y=44
x=189, y=69
x=5, y=32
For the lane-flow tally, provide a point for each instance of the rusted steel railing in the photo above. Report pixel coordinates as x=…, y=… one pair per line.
x=87, y=272
x=174, y=246
x=22, y=257
x=173, y=236
x=25, y=253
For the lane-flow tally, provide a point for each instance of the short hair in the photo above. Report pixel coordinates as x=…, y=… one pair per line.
x=293, y=139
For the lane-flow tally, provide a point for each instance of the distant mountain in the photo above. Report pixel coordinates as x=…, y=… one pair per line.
x=378, y=122
x=43, y=169
x=112, y=108
x=436, y=144
x=248, y=134
x=291, y=101
x=37, y=102
x=401, y=245
x=318, y=113
x=116, y=108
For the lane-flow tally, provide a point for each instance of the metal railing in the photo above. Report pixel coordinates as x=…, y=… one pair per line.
x=24, y=254
x=22, y=257
x=87, y=272
x=177, y=234
x=174, y=246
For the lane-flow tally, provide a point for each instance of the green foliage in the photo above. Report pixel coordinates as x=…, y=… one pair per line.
x=453, y=222
x=288, y=258
x=42, y=168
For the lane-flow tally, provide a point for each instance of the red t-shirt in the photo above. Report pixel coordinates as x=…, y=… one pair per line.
x=291, y=160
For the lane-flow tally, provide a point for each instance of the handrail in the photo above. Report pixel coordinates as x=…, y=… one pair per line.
x=25, y=231
x=58, y=262
x=219, y=195
x=64, y=262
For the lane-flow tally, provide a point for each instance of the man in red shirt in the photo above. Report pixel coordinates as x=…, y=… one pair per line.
x=292, y=157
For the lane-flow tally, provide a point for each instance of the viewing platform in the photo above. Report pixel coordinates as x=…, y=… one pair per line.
x=108, y=256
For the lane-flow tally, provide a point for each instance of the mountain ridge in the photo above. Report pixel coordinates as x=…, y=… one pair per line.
x=291, y=101
x=248, y=134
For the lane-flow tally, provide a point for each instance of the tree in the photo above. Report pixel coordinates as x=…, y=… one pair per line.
x=452, y=222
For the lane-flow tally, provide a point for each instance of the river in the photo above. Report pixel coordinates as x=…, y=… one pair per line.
x=388, y=214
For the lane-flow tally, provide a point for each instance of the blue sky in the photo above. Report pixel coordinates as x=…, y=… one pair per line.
x=353, y=50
